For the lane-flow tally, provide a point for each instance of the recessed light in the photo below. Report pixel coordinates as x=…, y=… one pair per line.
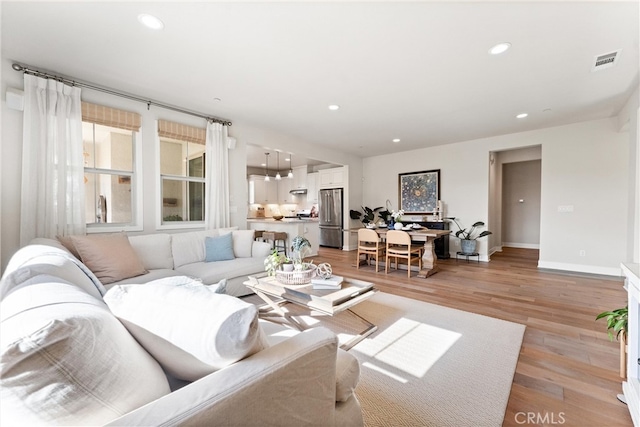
x=396, y=140
x=287, y=159
x=499, y=48
x=522, y=115
x=334, y=107
x=150, y=21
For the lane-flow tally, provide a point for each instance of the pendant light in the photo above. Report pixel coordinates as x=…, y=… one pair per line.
x=278, y=177
x=290, y=174
x=266, y=167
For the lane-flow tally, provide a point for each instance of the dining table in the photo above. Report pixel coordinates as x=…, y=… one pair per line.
x=426, y=235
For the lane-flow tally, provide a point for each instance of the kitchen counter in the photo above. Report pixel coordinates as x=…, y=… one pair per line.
x=307, y=227
x=283, y=220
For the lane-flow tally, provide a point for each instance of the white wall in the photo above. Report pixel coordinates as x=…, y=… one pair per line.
x=11, y=155
x=584, y=165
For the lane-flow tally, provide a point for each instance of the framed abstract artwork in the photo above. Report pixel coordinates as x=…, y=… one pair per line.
x=419, y=192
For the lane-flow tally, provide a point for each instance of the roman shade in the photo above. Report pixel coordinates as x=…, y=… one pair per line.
x=182, y=132
x=107, y=116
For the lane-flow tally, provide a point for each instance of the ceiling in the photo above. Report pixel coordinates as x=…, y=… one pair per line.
x=417, y=71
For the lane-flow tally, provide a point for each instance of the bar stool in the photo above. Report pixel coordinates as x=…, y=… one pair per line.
x=257, y=235
x=275, y=237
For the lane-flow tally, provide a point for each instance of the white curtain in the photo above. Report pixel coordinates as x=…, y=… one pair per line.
x=217, y=172
x=52, y=162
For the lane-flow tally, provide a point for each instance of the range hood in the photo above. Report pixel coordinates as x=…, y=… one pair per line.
x=298, y=191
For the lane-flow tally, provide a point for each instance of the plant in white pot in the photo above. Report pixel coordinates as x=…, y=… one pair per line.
x=468, y=238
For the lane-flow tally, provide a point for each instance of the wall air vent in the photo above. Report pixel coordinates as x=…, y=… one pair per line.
x=606, y=60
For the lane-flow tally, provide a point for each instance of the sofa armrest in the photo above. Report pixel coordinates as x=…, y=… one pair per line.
x=291, y=383
x=260, y=249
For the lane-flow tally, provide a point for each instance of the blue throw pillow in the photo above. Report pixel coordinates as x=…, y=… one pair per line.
x=218, y=248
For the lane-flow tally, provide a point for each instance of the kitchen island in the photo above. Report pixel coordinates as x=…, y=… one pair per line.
x=306, y=227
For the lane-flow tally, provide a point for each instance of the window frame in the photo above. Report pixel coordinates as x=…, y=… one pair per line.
x=137, y=204
x=176, y=225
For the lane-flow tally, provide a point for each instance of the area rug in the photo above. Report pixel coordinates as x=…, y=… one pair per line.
x=429, y=365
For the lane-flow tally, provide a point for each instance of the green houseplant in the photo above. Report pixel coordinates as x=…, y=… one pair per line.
x=367, y=216
x=469, y=237
x=617, y=321
x=617, y=325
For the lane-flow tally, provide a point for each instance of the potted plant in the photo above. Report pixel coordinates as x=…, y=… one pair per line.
x=274, y=261
x=367, y=216
x=617, y=324
x=468, y=238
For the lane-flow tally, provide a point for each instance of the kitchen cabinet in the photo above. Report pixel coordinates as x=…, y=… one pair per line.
x=261, y=191
x=312, y=187
x=284, y=186
x=299, y=178
x=332, y=178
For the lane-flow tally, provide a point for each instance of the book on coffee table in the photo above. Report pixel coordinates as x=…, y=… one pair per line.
x=328, y=299
x=333, y=282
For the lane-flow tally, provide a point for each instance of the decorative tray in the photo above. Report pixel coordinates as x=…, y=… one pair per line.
x=296, y=277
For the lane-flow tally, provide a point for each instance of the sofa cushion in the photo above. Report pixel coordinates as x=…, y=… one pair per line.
x=110, y=257
x=48, y=257
x=66, y=360
x=219, y=248
x=213, y=272
x=154, y=250
x=189, y=247
x=150, y=276
x=189, y=329
x=347, y=375
x=242, y=243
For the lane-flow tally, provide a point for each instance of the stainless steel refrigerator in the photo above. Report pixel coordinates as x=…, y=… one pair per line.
x=330, y=215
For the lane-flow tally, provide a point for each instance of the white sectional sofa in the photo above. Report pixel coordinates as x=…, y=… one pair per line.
x=183, y=254
x=71, y=354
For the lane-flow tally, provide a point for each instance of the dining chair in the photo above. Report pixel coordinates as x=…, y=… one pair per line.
x=399, y=246
x=370, y=246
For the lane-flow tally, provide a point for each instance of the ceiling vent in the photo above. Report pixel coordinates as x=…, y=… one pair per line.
x=606, y=60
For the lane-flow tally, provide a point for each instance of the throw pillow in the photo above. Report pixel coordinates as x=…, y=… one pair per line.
x=190, y=330
x=66, y=360
x=154, y=250
x=110, y=257
x=242, y=243
x=68, y=244
x=218, y=248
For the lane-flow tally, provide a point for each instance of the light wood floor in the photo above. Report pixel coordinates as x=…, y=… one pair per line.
x=567, y=373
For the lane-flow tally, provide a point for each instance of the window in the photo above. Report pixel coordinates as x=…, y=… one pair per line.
x=110, y=167
x=182, y=173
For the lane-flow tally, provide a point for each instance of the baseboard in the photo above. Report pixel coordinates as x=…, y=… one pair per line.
x=482, y=257
x=495, y=249
x=521, y=245
x=580, y=268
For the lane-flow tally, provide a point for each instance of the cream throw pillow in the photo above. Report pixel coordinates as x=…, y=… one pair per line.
x=110, y=257
x=66, y=360
x=190, y=330
x=242, y=243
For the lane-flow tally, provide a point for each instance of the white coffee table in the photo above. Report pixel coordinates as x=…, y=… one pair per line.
x=327, y=302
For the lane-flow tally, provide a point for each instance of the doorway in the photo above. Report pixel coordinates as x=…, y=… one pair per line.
x=515, y=198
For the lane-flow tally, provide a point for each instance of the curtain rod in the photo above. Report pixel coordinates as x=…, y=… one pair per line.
x=149, y=103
